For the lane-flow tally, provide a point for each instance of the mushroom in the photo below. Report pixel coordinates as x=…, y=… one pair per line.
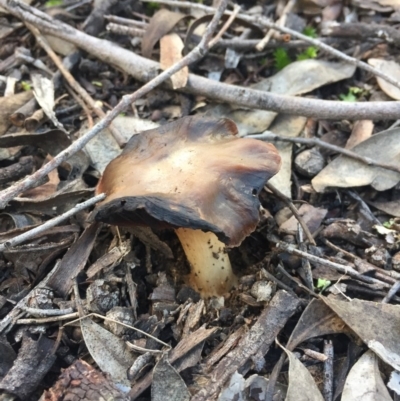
x=196, y=176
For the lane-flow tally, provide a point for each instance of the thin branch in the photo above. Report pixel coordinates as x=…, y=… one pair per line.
x=73, y=83
x=391, y=293
x=250, y=44
x=8, y=321
x=19, y=239
x=197, y=53
x=228, y=23
x=144, y=70
x=125, y=30
x=47, y=312
x=127, y=21
x=281, y=22
x=293, y=209
x=271, y=25
x=270, y=136
x=48, y=319
x=348, y=270
x=362, y=31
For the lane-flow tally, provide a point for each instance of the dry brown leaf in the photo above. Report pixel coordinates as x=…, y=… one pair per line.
x=43, y=89
x=378, y=5
x=74, y=261
x=296, y=79
x=44, y=191
x=316, y=320
x=304, y=76
x=311, y=215
x=162, y=22
x=167, y=383
x=9, y=105
x=109, y=352
x=289, y=126
x=302, y=386
x=391, y=207
x=60, y=46
x=103, y=147
x=171, y=47
x=389, y=3
x=390, y=68
x=376, y=324
x=345, y=172
x=362, y=130
x=364, y=382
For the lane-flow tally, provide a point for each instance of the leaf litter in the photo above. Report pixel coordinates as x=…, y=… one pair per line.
x=339, y=287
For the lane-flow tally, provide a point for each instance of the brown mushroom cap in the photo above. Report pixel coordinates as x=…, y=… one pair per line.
x=191, y=173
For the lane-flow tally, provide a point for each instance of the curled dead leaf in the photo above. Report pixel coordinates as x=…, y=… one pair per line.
x=162, y=22
x=171, y=47
x=390, y=68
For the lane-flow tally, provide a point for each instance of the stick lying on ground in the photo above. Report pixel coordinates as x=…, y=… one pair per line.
x=19, y=239
x=144, y=69
x=194, y=55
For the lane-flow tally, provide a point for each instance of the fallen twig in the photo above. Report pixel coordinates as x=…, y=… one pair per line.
x=73, y=83
x=19, y=239
x=293, y=209
x=348, y=270
x=262, y=21
x=198, y=52
x=362, y=31
x=52, y=319
x=144, y=70
x=328, y=370
x=270, y=136
x=281, y=22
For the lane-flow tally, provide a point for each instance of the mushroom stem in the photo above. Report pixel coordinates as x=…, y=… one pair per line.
x=211, y=272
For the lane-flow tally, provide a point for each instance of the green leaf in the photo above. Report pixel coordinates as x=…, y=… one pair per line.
x=26, y=86
x=323, y=284
x=310, y=52
x=53, y=3
x=351, y=96
x=348, y=98
x=355, y=91
x=152, y=6
x=310, y=32
x=281, y=58
x=388, y=224
x=97, y=83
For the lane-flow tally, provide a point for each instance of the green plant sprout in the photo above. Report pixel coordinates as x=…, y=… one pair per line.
x=322, y=284
x=152, y=6
x=310, y=32
x=352, y=95
x=281, y=58
x=26, y=86
x=53, y=3
x=388, y=224
x=309, y=53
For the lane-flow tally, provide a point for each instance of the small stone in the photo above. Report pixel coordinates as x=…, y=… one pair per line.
x=120, y=314
x=262, y=291
x=309, y=162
